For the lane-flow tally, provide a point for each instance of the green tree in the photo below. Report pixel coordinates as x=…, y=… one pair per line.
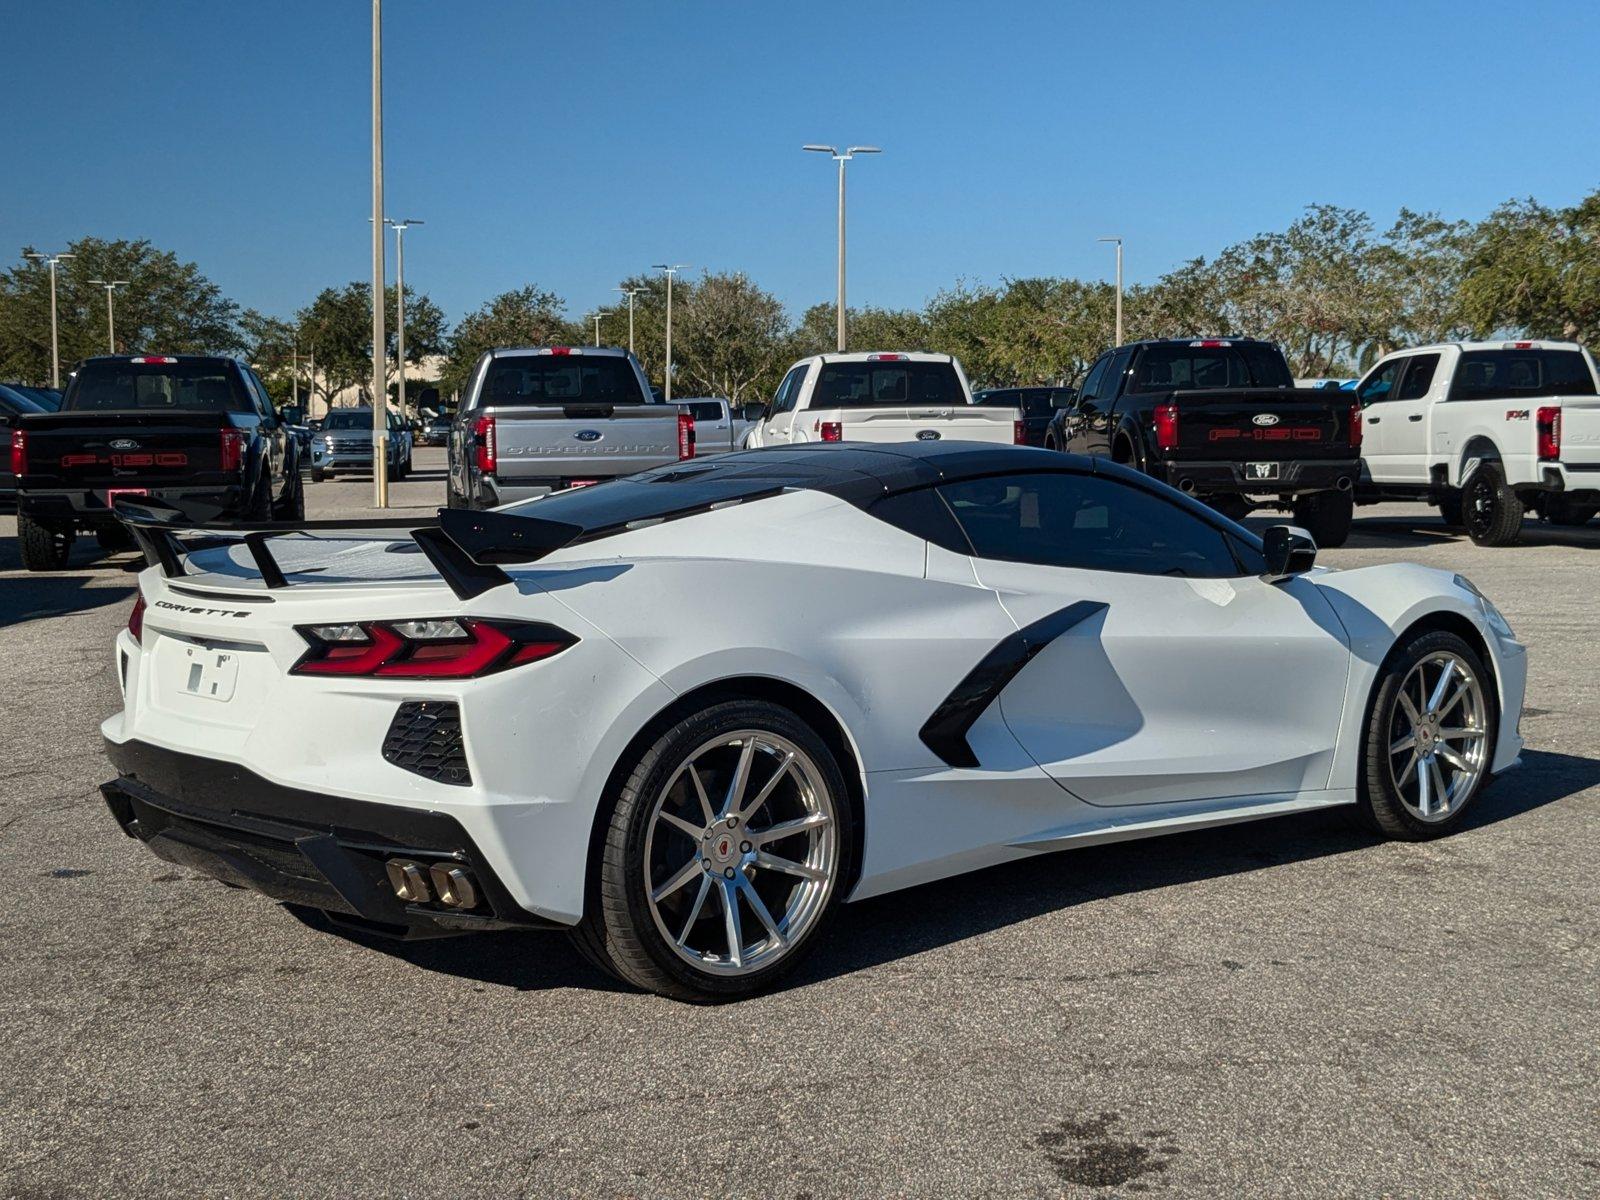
x=729, y=339
x=1535, y=270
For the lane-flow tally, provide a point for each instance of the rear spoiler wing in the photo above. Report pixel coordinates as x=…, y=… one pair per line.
x=467, y=548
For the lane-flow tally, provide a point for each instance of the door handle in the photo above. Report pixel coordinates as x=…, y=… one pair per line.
x=1372, y=420
x=1417, y=417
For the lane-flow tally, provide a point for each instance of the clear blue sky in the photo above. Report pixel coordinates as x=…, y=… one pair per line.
x=570, y=143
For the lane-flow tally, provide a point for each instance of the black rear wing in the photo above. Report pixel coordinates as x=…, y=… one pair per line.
x=465, y=547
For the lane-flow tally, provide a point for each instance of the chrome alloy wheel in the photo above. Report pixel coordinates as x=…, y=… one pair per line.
x=741, y=852
x=1439, y=736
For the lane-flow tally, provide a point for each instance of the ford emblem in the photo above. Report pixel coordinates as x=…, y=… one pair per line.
x=1265, y=418
x=124, y=444
x=588, y=435
x=927, y=435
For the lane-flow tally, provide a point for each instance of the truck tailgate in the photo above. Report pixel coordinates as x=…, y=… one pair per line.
x=579, y=441
x=1262, y=423
x=101, y=449
x=1580, y=431
x=884, y=424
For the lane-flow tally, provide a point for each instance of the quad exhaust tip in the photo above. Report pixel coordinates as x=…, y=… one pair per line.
x=449, y=885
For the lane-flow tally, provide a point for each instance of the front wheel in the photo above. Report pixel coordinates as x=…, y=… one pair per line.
x=1490, y=509
x=725, y=854
x=1430, y=737
x=1326, y=516
x=44, y=548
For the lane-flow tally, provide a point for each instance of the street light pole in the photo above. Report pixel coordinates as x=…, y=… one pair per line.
x=597, y=317
x=1118, y=241
x=380, y=384
x=630, y=293
x=671, y=271
x=400, y=228
x=55, y=343
x=110, y=285
x=849, y=153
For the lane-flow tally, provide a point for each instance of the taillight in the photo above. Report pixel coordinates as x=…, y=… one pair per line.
x=19, y=452
x=437, y=648
x=483, y=435
x=831, y=431
x=136, y=618
x=233, y=442
x=1019, y=433
x=1549, y=434
x=685, y=435
x=1167, y=426
x=1355, y=426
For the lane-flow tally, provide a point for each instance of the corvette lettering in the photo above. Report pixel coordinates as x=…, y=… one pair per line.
x=198, y=612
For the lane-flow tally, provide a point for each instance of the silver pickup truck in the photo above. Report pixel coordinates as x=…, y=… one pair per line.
x=536, y=420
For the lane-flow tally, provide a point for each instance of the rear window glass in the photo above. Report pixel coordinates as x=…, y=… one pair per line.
x=869, y=384
x=1182, y=367
x=14, y=401
x=561, y=379
x=1034, y=402
x=349, y=418
x=705, y=411
x=1487, y=374
x=180, y=385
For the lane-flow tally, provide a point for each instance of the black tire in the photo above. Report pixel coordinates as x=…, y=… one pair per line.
x=318, y=474
x=1450, y=508
x=1326, y=516
x=294, y=507
x=1235, y=508
x=1380, y=805
x=452, y=498
x=43, y=547
x=113, y=538
x=619, y=932
x=1490, y=509
x=1562, y=510
x=261, y=506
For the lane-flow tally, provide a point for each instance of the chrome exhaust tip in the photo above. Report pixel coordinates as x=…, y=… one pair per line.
x=1186, y=486
x=1344, y=484
x=454, y=886
x=409, y=880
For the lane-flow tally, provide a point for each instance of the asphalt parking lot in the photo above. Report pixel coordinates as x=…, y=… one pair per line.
x=1289, y=1008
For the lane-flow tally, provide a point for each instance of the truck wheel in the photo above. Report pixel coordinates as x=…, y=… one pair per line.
x=113, y=537
x=1560, y=510
x=43, y=548
x=1450, y=508
x=294, y=508
x=1326, y=517
x=318, y=474
x=1490, y=509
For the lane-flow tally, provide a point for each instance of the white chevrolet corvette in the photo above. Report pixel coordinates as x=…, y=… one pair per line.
x=687, y=713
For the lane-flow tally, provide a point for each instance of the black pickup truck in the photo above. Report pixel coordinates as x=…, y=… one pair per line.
x=188, y=428
x=1221, y=419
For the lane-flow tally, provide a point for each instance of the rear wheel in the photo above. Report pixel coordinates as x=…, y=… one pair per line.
x=1562, y=510
x=724, y=855
x=43, y=547
x=294, y=507
x=318, y=474
x=1490, y=509
x=1326, y=516
x=1430, y=737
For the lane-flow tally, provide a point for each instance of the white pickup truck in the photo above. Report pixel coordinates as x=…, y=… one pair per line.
x=718, y=426
x=1487, y=431
x=880, y=397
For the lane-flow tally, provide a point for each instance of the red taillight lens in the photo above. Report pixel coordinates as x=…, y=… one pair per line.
x=1167, y=426
x=136, y=618
x=232, y=446
x=1549, y=433
x=19, y=452
x=831, y=431
x=483, y=435
x=685, y=436
x=1355, y=426
x=1019, y=433
x=431, y=649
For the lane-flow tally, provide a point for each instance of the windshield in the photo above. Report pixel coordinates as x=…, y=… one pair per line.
x=561, y=379
x=1486, y=374
x=349, y=418
x=1180, y=367
x=181, y=384
x=867, y=384
x=14, y=401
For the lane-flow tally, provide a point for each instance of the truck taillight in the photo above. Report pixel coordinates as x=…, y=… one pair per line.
x=1167, y=426
x=1355, y=427
x=685, y=436
x=483, y=436
x=1549, y=433
x=439, y=648
x=1019, y=433
x=831, y=431
x=19, y=452
x=136, y=618
x=232, y=444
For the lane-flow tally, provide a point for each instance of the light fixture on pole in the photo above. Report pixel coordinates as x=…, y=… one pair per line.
x=380, y=384
x=110, y=285
x=1118, y=241
x=597, y=317
x=849, y=153
x=400, y=228
x=55, y=343
x=630, y=293
x=671, y=271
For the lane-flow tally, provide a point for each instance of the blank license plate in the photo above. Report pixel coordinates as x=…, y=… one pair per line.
x=1261, y=470
x=211, y=674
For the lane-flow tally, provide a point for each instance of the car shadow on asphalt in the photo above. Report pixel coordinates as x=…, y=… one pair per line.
x=894, y=927
x=30, y=597
x=1389, y=532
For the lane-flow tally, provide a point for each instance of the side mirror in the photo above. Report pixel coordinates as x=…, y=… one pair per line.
x=753, y=411
x=1289, y=551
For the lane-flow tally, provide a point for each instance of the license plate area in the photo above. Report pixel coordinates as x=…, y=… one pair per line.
x=210, y=674
x=115, y=494
x=1257, y=471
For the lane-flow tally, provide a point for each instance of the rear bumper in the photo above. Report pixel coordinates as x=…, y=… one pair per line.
x=87, y=508
x=1295, y=477
x=300, y=847
x=493, y=492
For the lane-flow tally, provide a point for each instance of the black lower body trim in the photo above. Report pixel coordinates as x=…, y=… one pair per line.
x=299, y=847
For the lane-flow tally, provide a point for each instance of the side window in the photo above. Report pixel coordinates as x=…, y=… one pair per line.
x=1379, y=386
x=788, y=390
x=1065, y=519
x=1090, y=392
x=1115, y=373
x=1419, y=377
x=258, y=395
